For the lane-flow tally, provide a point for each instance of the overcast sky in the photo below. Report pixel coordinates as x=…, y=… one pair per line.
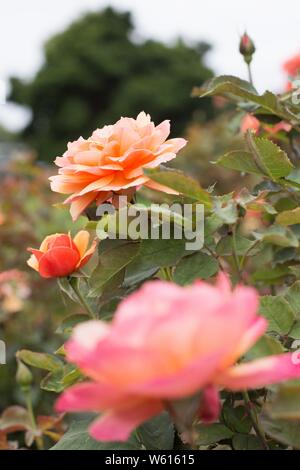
x=26, y=24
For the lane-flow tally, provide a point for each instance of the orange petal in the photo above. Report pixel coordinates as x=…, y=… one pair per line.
x=58, y=262
x=81, y=240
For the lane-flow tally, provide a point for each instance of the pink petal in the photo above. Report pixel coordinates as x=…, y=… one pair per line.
x=210, y=404
x=117, y=425
x=184, y=382
x=257, y=374
x=90, y=396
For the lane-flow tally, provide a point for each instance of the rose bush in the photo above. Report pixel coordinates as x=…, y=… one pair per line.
x=162, y=342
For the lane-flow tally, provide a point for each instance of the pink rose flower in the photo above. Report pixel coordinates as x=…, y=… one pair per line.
x=166, y=343
x=111, y=161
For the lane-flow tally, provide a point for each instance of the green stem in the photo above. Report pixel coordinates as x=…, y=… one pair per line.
x=38, y=439
x=255, y=422
x=250, y=73
x=167, y=273
x=74, y=284
x=247, y=253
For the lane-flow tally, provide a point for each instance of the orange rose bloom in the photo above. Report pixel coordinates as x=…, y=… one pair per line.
x=111, y=161
x=60, y=255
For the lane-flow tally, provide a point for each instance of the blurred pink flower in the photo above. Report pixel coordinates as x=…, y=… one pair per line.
x=292, y=68
x=111, y=161
x=166, y=343
x=249, y=122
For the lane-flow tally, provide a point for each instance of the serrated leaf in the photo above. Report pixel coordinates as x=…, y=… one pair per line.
x=195, y=266
x=269, y=157
x=278, y=312
x=240, y=161
x=182, y=183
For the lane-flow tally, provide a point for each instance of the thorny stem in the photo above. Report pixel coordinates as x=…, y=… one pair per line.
x=255, y=422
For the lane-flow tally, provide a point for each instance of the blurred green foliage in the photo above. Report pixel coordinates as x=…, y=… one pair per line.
x=30, y=307
x=96, y=71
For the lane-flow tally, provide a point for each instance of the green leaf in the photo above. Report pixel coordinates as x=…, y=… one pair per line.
x=157, y=433
x=182, y=183
x=243, y=246
x=286, y=403
x=240, y=161
x=40, y=360
x=246, y=442
x=211, y=433
x=78, y=438
x=278, y=312
x=111, y=262
x=225, y=208
x=60, y=379
x=286, y=432
x=265, y=346
x=295, y=331
x=292, y=295
x=195, y=266
x=278, y=235
x=160, y=253
x=270, y=276
x=269, y=158
x=66, y=288
x=291, y=217
x=237, y=419
x=238, y=89
x=68, y=323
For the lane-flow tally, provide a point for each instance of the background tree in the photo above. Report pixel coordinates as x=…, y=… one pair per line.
x=94, y=72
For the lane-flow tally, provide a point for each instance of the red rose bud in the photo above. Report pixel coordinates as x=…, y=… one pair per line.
x=60, y=255
x=247, y=48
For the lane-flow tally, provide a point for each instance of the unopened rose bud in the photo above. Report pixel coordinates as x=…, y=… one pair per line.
x=23, y=375
x=247, y=48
